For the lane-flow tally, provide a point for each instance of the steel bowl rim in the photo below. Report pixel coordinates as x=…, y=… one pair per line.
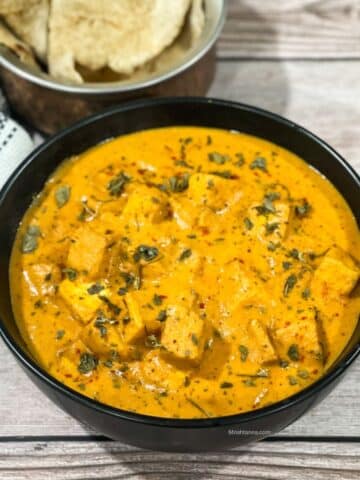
x=163, y=422
x=112, y=88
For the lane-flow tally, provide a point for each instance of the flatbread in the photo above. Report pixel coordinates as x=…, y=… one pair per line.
x=19, y=48
x=121, y=35
x=31, y=25
x=13, y=6
x=196, y=19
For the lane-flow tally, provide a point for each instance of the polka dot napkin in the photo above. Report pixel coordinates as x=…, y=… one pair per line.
x=15, y=145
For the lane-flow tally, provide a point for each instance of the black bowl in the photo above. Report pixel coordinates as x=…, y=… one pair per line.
x=29, y=178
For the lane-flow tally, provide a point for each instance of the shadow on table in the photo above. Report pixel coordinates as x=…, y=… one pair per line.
x=255, y=75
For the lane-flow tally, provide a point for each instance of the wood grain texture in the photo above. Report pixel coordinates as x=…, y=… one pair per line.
x=292, y=29
x=319, y=95
x=322, y=96
x=110, y=460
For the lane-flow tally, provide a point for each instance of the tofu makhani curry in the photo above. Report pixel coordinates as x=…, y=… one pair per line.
x=187, y=272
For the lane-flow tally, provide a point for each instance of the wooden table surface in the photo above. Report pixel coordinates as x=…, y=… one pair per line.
x=301, y=59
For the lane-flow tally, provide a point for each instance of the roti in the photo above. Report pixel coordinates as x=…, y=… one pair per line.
x=19, y=48
x=119, y=35
x=13, y=6
x=31, y=25
x=196, y=19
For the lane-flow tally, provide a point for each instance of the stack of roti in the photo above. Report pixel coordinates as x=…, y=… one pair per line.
x=92, y=40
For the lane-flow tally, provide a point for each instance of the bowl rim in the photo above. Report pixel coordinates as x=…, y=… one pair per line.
x=43, y=80
x=230, y=420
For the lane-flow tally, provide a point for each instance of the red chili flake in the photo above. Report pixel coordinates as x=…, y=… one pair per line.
x=201, y=305
x=205, y=230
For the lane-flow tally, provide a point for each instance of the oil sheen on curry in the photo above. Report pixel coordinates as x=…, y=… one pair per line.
x=187, y=272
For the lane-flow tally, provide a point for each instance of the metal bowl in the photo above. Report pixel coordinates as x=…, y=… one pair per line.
x=50, y=105
x=144, y=430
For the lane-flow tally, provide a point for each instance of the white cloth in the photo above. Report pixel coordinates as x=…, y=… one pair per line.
x=15, y=145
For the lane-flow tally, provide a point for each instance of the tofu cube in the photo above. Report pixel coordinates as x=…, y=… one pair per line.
x=208, y=190
x=146, y=205
x=42, y=278
x=102, y=340
x=273, y=226
x=183, y=334
x=305, y=334
x=135, y=328
x=80, y=302
x=69, y=360
x=86, y=254
x=238, y=285
x=263, y=351
x=167, y=377
x=334, y=277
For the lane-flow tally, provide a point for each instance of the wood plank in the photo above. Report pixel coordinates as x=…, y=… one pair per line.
x=319, y=95
x=292, y=29
x=111, y=460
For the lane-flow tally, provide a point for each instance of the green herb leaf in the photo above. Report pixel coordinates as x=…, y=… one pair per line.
x=198, y=407
x=259, y=163
x=304, y=374
x=144, y=252
x=248, y=223
x=293, y=353
x=249, y=382
x=240, y=160
x=162, y=316
x=268, y=206
x=306, y=293
x=30, y=239
x=272, y=246
x=87, y=213
x=59, y=334
x=187, y=381
x=128, y=278
x=117, y=184
x=62, y=195
x=290, y=283
x=218, y=158
x=224, y=174
x=185, y=254
x=244, y=352
x=178, y=183
x=157, y=300
x=303, y=210
x=112, y=307
x=194, y=339
x=152, y=342
x=226, y=385
x=271, y=227
x=296, y=254
x=287, y=265
x=292, y=380
x=70, y=273
x=95, y=289
x=101, y=321
x=88, y=363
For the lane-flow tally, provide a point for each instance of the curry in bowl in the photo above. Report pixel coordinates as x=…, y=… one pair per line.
x=187, y=272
